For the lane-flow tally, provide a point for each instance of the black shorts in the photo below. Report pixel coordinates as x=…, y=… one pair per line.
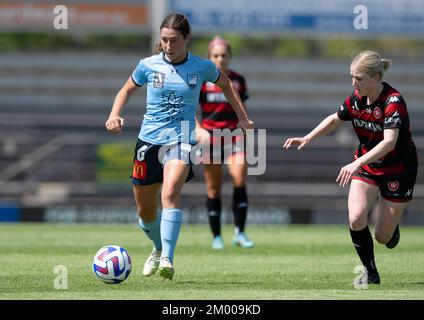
x=395, y=188
x=149, y=160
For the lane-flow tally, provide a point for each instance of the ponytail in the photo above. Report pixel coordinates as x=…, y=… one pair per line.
x=371, y=63
x=386, y=65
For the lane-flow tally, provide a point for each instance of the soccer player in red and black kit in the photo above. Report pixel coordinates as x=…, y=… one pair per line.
x=385, y=161
x=218, y=114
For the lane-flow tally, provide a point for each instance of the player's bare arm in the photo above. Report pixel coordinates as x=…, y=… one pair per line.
x=115, y=122
x=329, y=124
x=379, y=151
x=233, y=98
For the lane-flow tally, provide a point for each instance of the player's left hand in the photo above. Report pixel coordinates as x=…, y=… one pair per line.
x=347, y=172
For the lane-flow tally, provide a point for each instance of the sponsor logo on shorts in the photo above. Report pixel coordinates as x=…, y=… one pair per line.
x=393, y=185
x=139, y=171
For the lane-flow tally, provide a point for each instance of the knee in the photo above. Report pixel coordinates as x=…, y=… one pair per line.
x=214, y=192
x=357, y=223
x=146, y=214
x=239, y=182
x=170, y=196
x=382, y=237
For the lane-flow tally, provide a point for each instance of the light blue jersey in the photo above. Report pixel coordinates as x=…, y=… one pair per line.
x=172, y=96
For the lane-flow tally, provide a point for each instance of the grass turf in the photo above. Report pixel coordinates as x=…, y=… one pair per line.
x=288, y=262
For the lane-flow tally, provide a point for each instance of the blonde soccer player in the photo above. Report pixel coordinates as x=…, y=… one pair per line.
x=383, y=173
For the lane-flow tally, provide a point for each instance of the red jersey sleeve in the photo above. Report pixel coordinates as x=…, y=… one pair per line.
x=394, y=112
x=343, y=112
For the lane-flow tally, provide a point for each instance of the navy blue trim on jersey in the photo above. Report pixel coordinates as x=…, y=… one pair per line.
x=138, y=85
x=178, y=63
x=219, y=74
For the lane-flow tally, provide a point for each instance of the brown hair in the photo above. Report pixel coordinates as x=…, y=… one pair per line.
x=370, y=62
x=177, y=22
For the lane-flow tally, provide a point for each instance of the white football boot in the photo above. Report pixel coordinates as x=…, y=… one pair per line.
x=152, y=263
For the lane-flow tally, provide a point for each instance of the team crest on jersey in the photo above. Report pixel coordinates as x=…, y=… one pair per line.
x=377, y=113
x=192, y=80
x=393, y=185
x=158, y=79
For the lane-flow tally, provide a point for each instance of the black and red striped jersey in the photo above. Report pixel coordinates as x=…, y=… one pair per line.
x=217, y=112
x=369, y=121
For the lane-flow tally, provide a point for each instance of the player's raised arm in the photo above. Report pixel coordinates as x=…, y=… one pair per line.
x=329, y=124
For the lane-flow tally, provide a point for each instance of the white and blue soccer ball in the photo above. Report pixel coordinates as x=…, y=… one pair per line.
x=112, y=264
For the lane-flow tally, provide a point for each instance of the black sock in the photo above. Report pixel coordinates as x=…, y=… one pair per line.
x=240, y=205
x=364, y=245
x=214, y=215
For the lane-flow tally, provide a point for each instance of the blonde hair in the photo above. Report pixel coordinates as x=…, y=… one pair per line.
x=370, y=62
x=217, y=40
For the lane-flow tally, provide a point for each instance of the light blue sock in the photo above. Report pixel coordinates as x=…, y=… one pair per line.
x=170, y=229
x=152, y=230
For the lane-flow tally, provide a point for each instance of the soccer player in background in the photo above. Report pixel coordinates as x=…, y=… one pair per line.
x=162, y=161
x=217, y=113
x=385, y=161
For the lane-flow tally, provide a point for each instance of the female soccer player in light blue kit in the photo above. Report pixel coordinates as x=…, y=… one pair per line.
x=173, y=77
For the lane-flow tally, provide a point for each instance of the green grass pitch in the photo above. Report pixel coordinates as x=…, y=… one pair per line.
x=288, y=262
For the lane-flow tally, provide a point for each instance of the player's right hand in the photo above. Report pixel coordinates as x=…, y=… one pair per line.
x=246, y=124
x=115, y=124
x=300, y=142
